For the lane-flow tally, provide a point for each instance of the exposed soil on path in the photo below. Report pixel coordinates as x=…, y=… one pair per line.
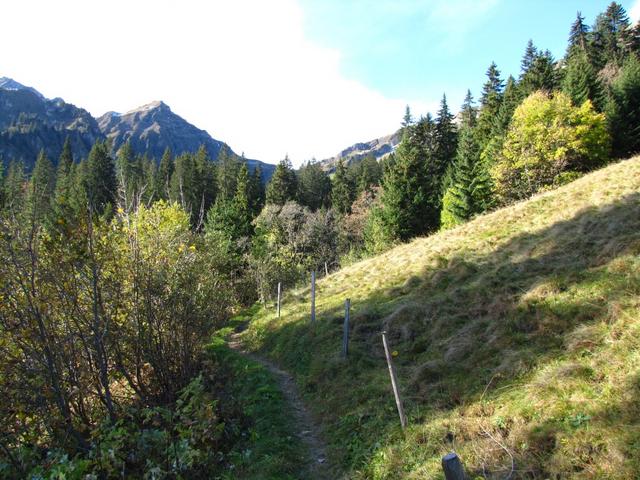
x=306, y=429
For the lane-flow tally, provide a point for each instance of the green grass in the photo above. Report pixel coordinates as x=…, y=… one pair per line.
x=518, y=339
x=268, y=449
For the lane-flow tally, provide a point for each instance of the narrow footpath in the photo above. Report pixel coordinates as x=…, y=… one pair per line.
x=306, y=429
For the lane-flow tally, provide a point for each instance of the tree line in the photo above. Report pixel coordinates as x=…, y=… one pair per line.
x=114, y=271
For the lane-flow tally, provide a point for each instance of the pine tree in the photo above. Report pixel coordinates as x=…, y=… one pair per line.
x=314, y=186
x=206, y=186
x=489, y=105
x=530, y=54
x=283, y=185
x=446, y=139
x=580, y=81
x=510, y=100
x=64, y=178
x=342, y=189
x=623, y=110
x=100, y=178
x=256, y=192
x=228, y=167
x=540, y=76
x=578, y=36
x=14, y=187
x=183, y=183
x=470, y=190
x=128, y=175
x=368, y=174
x=612, y=36
x=163, y=176
x=41, y=187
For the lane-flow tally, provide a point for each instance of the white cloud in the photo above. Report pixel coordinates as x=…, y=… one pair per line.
x=634, y=13
x=242, y=70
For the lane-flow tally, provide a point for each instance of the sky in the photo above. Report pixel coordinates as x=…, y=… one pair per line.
x=303, y=78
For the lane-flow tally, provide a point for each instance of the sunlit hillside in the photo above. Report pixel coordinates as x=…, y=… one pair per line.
x=517, y=339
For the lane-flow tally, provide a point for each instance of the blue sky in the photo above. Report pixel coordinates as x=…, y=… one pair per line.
x=304, y=78
x=420, y=49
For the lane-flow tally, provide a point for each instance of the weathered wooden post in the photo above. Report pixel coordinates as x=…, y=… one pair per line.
x=345, y=335
x=326, y=269
x=452, y=467
x=279, y=297
x=394, y=382
x=313, y=296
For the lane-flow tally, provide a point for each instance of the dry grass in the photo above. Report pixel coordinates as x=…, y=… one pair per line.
x=518, y=339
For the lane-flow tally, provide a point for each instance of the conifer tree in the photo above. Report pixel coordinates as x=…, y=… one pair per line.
x=314, y=186
x=256, y=192
x=206, y=186
x=41, y=187
x=446, y=139
x=283, y=185
x=470, y=190
x=100, y=178
x=14, y=186
x=183, y=181
x=368, y=174
x=541, y=75
x=580, y=80
x=163, y=176
x=530, y=54
x=342, y=189
x=489, y=105
x=64, y=177
x=128, y=175
x=623, y=110
x=228, y=168
x=578, y=36
x=612, y=36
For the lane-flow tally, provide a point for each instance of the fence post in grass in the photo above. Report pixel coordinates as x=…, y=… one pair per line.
x=452, y=467
x=345, y=336
x=279, y=297
x=326, y=269
x=394, y=382
x=313, y=296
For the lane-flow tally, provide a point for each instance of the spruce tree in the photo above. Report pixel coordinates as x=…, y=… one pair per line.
x=206, y=186
x=128, y=175
x=368, y=175
x=283, y=185
x=100, y=178
x=64, y=178
x=228, y=168
x=578, y=36
x=14, y=187
x=163, y=176
x=530, y=54
x=581, y=81
x=342, y=189
x=623, y=110
x=612, y=36
x=314, y=186
x=256, y=192
x=490, y=102
x=41, y=187
x=446, y=139
x=183, y=183
x=470, y=190
x=540, y=76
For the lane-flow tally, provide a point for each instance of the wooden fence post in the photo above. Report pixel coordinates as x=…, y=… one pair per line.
x=345, y=336
x=313, y=296
x=452, y=467
x=279, y=297
x=326, y=269
x=394, y=382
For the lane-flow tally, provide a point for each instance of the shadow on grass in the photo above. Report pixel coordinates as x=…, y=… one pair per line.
x=464, y=329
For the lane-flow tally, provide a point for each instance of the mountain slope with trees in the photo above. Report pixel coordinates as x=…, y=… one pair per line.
x=514, y=338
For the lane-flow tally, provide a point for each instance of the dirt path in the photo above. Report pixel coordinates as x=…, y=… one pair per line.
x=307, y=430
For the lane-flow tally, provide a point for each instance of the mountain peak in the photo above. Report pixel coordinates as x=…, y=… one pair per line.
x=7, y=83
x=155, y=105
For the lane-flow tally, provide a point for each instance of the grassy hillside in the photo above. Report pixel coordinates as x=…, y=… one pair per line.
x=517, y=335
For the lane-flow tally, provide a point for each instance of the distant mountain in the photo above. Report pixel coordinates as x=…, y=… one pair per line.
x=379, y=148
x=29, y=122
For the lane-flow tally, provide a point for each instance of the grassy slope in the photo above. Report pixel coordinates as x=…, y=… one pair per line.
x=517, y=335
